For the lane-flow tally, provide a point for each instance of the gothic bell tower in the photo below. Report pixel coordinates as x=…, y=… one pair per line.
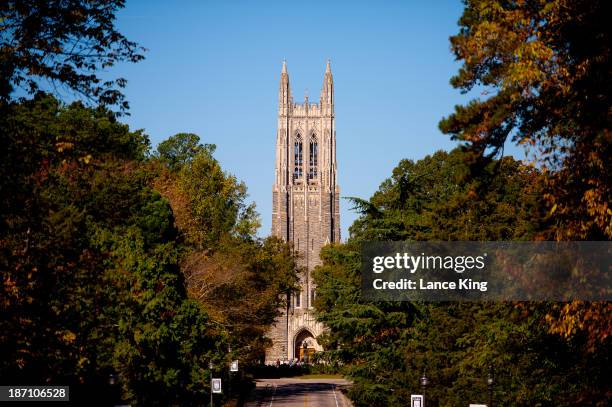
x=305, y=207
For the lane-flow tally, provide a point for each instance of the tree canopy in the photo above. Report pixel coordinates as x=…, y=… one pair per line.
x=543, y=68
x=116, y=261
x=66, y=44
x=101, y=276
x=240, y=279
x=386, y=346
x=546, y=66
x=181, y=149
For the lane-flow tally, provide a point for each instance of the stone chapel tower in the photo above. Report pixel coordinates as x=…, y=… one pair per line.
x=305, y=208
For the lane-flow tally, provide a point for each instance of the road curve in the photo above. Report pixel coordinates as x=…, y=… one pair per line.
x=295, y=392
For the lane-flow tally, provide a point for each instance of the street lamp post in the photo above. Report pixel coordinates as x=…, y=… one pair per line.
x=112, y=382
x=424, y=382
x=229, y=382
x=305, y=352
x=490, y=383
x=210, y=367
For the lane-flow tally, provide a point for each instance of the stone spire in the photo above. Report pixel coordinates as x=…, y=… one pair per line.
x=284, y=92
x=327, y=93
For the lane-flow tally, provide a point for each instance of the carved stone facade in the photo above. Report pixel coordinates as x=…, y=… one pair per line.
x=305, y=209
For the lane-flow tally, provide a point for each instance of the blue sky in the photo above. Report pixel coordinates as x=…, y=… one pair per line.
x=213, y=69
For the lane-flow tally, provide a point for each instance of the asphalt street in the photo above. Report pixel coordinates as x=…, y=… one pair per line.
x=295, y=392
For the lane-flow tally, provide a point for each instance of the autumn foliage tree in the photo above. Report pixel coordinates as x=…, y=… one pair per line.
x=104, y=247
x=546, y=65
x=105, y=256
x=543, y=70
x=386, y=346
x=89, y=255
x=239, y=279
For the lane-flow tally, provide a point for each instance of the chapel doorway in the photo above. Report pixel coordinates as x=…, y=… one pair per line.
x=304, y=346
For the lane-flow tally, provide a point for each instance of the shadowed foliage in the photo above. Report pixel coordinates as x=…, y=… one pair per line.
x=386, y=346
x=62, y=45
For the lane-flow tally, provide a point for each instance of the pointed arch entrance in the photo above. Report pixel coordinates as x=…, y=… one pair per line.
x=304, y=345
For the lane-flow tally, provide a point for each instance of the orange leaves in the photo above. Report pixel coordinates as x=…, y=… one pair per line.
x=10, y=290
x=591, y=318
x=20, y=362
x=62, y=146
x=66, y=336
x=387, y=333
x=544, y=62
x=86, y=159
x=532, y=65
x=597, y=206
x=66, y=146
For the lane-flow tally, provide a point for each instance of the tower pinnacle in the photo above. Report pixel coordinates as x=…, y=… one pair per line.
x=284, y=92
x=327, y=92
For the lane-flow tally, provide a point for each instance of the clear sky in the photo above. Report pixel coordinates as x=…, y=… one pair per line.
x=213, y=69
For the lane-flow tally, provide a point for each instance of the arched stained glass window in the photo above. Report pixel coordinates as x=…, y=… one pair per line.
x=314, y=158
x=297, y=157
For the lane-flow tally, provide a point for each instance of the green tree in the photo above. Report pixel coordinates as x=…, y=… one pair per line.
x=240, y=280
x=435, y=198
x=385, y=347
x=216, y=202
x=363, y=337
x=545, y=65
x=242, y=286
x=90, y=262
x=64, y=43
x=181, y=149
x=209, y=204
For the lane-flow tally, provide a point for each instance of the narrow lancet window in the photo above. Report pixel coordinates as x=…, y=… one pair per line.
x=312, y=169
x=297, y=158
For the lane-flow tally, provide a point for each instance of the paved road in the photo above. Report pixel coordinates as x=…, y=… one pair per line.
x=292, y=392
